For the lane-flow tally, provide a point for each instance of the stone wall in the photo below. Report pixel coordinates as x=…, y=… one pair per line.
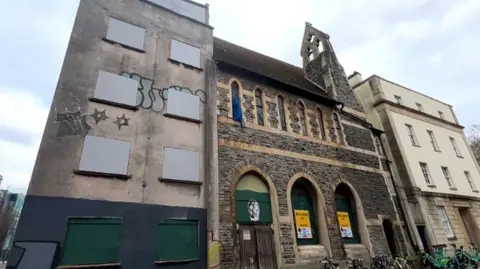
x=355, y=163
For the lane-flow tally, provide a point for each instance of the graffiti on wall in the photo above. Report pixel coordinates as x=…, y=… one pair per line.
x=34, y=254
x=72, y=123
x=121, y=121
x=79, y=124
x=155, y=99
x=214, y=248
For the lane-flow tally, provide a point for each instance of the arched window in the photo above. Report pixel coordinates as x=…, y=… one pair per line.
x=338, y=128
x=259, y=105
x=346, y=214
x=320, y=123
x=252, y=201
x=281, y=111
x=305, y=213
x=234, y=87
x=303, y=123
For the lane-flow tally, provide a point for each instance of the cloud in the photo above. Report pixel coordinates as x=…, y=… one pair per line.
x=24, y=116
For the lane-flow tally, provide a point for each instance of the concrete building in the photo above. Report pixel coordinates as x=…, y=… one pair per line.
x=121, y=177
x=300, y=177
x=14, y=203
x=433, y=165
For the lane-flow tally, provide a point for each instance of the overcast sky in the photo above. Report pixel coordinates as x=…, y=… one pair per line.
x=428, y=45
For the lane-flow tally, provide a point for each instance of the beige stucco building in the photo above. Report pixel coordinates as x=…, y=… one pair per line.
x=433, y=167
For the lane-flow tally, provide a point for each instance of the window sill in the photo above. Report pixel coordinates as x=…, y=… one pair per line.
x=104, y=265
x=100, y=174
x=101, y=101
x=174, y=180
x=185, y=65
x=476, y=191
x=175, y=261
x=431, y=185
x=453, y=189
x=437, y=150
x=182, y=118
x=415, y=145
x=459, y=156
x=123, y=45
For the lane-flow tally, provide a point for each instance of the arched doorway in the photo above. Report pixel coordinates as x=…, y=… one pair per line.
x=253, y=212
x=305, y=213
x=346, y=214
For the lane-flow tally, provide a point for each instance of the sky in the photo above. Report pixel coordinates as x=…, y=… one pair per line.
x=427, y=45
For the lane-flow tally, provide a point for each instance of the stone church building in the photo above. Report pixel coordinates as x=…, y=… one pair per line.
x=302, y=176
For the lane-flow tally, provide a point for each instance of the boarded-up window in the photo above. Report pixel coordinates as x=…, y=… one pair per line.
x=303, y=122
x=126, y=34
x=185, y=53
x=116, y=89
x=91, y=241
x=103, y=155
x=259, y=106
x=178, y=240
x=320, y=124
x=183, y=104
x=185, y=8
x=281, y=111
x=181, y=165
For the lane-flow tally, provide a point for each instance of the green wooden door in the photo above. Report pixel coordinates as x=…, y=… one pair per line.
x=252, y=201
x=302, y=200
x=344, y=204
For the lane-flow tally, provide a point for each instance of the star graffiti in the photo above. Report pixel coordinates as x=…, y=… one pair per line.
x=98, y=116
x=122, y=121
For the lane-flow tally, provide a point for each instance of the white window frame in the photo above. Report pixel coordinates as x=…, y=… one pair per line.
x=472, y=184
x=419, y=107
x=411, y=134
x=455, y=147
x=426, y=174
x=398, y=99
x=447, y=226
x=433, y=140
x=448, y=177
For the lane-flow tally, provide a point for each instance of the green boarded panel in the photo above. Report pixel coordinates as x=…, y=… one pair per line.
x=247, y=204
x=343, y=204
x=178, y=240
x=91, y=241
x=302, y=200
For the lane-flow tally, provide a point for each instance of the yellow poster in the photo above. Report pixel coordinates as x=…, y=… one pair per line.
x=344, y=223
x=302, y=223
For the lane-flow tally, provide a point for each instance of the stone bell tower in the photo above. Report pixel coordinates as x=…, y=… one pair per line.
x=322, y=67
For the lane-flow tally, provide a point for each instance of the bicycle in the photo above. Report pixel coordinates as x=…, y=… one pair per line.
x=438, y=260
x=399, y=263
x=381, y=262
x=355, y=263
x=328, y=263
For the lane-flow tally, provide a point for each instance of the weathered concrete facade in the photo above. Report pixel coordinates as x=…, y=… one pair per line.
x=166, y=55
x=307, y=146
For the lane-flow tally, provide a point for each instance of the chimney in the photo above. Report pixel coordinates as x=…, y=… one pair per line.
x=354, y=79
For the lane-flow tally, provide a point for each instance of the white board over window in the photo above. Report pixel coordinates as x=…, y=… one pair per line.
x=125, y=33
x=184, y=8
x=180, y=164
x=104, y=155
x=185, y=53
x=183, y=104
x=117, y=89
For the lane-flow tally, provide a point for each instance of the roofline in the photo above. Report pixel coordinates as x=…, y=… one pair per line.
x=379, y=102
x=406, y=88
x=284, y=83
